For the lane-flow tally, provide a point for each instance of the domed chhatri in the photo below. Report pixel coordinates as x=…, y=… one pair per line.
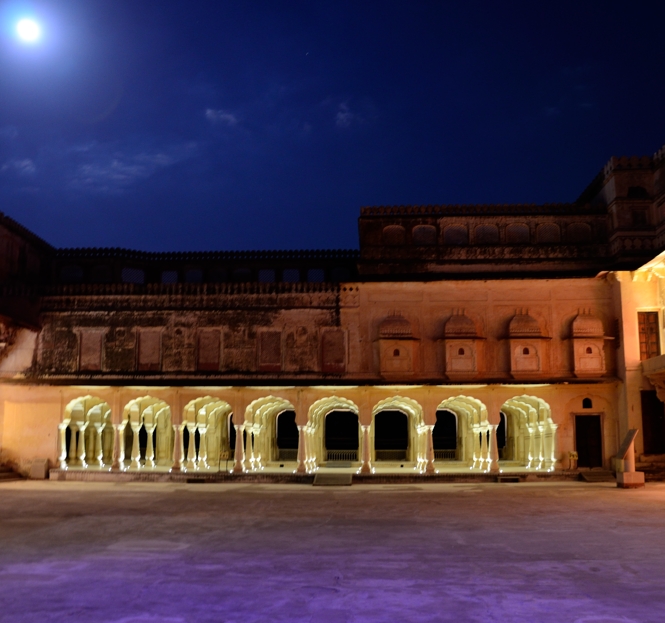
x=524, y=325
x=459, y=325
x=395, y=326
x=587, y=325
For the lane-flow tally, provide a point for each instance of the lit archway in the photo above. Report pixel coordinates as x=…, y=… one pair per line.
x=530, y=432
x=147, y=434
x=205, y=433
x=472, y=430
x=261, y=429
x=86, y=433
x=416, y=431
x=315, y=447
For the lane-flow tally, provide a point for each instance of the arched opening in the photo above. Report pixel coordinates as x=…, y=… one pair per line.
x=396, y=352
x=502, y=437
x=391, y=436
x=460, y=351
x=525, y=351
x=587, y=403
x=444, y=436
x=341, y=436
x=287, y=436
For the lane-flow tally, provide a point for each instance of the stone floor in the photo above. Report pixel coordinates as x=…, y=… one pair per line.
x=232, y=553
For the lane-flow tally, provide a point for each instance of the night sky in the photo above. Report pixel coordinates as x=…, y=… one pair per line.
x=213, y=125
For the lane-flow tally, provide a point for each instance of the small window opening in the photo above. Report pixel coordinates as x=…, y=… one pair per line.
x=587, y=403
x=460, y=351
x=589, y=350
x=525, y=351
x=396, y=352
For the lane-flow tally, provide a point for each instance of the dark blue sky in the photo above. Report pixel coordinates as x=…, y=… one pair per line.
x=212, y=125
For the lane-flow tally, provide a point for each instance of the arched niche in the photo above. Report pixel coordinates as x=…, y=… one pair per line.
x=147, y=434
x=400, y=408
x=530, y=433
x=86, y=433
x=316, y=451
x=206, y=442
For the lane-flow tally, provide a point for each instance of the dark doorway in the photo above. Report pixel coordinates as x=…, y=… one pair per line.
x=341, y=436
x=391, y=436
x=287, y=436
x=444, y=436
x=501, y=436
x=589, y=441
x=653, y=423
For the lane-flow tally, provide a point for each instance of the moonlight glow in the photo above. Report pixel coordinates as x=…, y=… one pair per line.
x=28, y=30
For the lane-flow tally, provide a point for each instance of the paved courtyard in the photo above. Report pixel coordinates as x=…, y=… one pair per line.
x=170, y=553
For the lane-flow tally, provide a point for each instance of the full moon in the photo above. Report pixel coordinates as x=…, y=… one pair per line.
x=28, y=30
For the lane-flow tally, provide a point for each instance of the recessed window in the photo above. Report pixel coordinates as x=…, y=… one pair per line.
x=133, y=275
x=242, y=275
x=587, y=403
x=316, y=275
x=266, y=275
x=525, y=351
x=460, y=351
x=194, y=275
x=71, y=274
x=291, y=275
x=396, y=352
x=589, y=350
x=169, y=276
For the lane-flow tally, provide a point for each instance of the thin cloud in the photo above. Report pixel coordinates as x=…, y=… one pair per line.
x=116, y=172
x=221, y=116
x=23, y=166
x=344, y=116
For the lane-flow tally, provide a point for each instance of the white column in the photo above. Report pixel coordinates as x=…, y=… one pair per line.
x=429, y=454
x=177, y=449
x=203, y=447
x=150, y=449
x=191, y=446
x=249, y=450
x=239, y=454
x=366, y=467
x=136, y=450
x=100, y=448
x=301, y=469
x=532, y=447
x=62, y=427
x=81, y=445
x=118, y=450
x=484, y=453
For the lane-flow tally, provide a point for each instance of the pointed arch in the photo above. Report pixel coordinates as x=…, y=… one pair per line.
x=416, y=451
x=147, y=433
x=531, y=432
x=473, y=429
x=205, y=428
x=315, y=447
x=86, y=433
x=260, y=427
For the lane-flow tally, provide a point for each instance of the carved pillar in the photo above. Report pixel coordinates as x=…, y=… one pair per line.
x=150, y=449
x=203, y=447
x=191, y=446
x=366, y=467
x=136, y=450
x=484, y=450
x=62, y=428
x=118, y=451
x=239, y=454
x=532, y=447
x=81, y=445
x=249, y=450
x=429, y=453
x=99, y=447
x=494, y=450
x=301, y=469
x=177, y=449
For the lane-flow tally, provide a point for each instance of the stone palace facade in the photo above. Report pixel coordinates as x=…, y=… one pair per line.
x=459, y=338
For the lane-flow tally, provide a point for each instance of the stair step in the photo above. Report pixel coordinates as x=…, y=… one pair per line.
x=332, y=480
x=598, y=476
x=9, y=476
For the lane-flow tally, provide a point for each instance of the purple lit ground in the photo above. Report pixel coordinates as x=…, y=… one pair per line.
x=157, y=553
